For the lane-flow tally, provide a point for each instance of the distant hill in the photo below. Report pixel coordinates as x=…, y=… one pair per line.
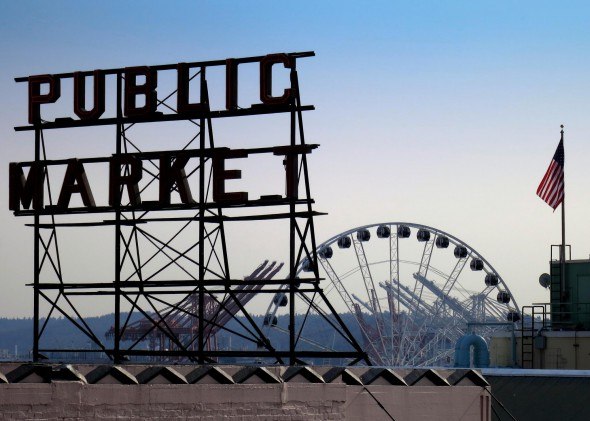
x=61, y=333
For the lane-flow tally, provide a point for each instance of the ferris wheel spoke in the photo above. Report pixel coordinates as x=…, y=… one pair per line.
x=366, y=274
x=429, y=241
x=488, y=290
x=370, y=289
x=393, y=297
x=426, y=255
x=349, y=273
x=393, y=254
x=444, y=298
x=495, y=308
x=337, y=283
x=450, y=282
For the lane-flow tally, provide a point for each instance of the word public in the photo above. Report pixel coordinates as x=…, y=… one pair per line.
x=147, y=89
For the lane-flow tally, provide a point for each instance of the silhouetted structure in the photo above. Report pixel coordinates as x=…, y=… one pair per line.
x=194, y=242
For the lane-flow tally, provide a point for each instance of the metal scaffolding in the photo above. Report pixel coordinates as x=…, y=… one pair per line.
x=184, y=312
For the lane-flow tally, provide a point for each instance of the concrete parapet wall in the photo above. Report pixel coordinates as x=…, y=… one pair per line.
x=462, y=396
x=75, y=400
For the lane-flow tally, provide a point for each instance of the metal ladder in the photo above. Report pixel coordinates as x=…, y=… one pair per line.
x=529, y=328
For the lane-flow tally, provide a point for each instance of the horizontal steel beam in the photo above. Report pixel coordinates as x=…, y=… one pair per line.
x=172, y=283
x=213, y=354
x=65, y=123
x=145, y=207
x=191, y=153
x=132, y=222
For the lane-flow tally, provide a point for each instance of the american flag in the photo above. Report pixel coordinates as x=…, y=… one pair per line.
x=551, y=187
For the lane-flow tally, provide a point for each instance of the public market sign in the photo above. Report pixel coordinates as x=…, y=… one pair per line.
x=137, y=102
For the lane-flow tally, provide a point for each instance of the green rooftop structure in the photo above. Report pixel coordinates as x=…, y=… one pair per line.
x=570, y=302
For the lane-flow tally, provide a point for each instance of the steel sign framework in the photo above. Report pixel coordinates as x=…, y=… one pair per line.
x=150, y=241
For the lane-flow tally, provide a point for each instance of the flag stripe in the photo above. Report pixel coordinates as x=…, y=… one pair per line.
x=551, y=188
x=554, y=192
x=549, y=181
x=551, y=185
x=543, y=184
x=546, y=180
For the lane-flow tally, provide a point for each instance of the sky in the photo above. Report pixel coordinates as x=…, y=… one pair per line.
x=444, y=114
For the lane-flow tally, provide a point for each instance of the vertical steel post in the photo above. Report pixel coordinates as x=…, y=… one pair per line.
x=202, y=198
x=36, y=258
x=117, y=336
x=292, y=232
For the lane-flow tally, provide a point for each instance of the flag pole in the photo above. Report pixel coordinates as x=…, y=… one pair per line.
x=562, y=254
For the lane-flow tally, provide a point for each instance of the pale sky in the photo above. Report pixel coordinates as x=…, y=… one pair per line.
x=444, y=113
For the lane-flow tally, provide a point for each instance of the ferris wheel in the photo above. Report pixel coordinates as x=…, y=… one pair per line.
x=411, y=290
